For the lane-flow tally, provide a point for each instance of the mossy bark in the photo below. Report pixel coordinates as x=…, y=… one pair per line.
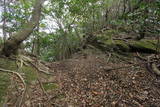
x=143, y=46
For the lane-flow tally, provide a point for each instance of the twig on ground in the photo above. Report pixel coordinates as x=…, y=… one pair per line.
x=109, y=56
x=140, y=57
x=41, y=85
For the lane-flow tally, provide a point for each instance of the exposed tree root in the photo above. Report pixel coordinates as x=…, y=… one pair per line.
x=151, y=66
x=122, y=67
x=39, y=66
x=40, y=70
x=22, y=80
x=155, y=69
x=22, y=60
x=15, y=73
x=36, y=64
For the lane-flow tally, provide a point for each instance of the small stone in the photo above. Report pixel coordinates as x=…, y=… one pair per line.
x=146, y=92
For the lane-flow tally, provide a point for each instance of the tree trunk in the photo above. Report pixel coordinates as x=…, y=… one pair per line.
x=4, y=21
x=36, y=44
x=13, y=43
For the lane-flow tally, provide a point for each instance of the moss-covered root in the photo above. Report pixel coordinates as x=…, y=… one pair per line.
x=145, y=46
x=29, y=75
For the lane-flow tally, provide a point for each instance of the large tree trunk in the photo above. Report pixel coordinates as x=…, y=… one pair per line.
x=12, y=44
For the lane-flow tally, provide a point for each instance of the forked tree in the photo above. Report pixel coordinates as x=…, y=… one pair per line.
x=12, y=44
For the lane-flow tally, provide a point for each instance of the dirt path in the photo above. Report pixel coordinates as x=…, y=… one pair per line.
x=84, y=82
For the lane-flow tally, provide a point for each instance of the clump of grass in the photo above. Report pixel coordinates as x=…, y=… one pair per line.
x=50, y=86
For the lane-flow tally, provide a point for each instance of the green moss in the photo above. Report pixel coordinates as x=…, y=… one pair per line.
x=7, y=64
x=50, y=86
x=106, y=35
x=122, y=45
x=4, y=77
x=30, y=74
x=143, y=45
x=111, y=32
x=61, y=96
x=4, y=83
x=148, y=44
x=116, y=44
x=109, y=42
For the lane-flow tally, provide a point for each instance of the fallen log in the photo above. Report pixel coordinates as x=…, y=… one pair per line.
x=142, y=46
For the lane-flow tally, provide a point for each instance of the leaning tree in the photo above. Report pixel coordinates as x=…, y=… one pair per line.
x=12, y=44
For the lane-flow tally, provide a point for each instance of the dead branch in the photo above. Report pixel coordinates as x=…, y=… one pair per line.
x=138, y=64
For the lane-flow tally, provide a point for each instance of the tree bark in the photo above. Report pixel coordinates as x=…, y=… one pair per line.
x=4, y=22
x=13, y=43
x=36, y=44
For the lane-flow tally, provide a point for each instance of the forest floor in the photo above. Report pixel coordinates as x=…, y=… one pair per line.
x=85, y=81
